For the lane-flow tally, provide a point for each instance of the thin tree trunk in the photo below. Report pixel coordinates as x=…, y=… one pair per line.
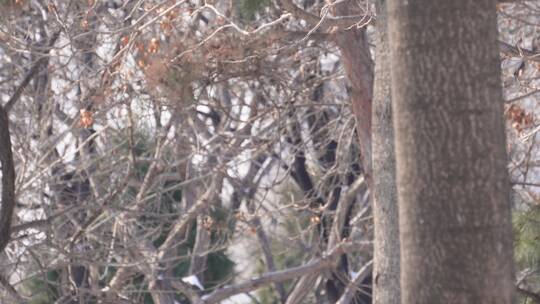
x=358, y=65
x=199, y=256
x=8, y=180
x=453, y=189
x=356, y=57
x=386, y=289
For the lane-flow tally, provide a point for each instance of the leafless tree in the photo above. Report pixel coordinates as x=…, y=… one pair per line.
x=156, y=142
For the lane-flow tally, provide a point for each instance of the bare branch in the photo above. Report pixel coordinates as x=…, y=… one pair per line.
x=341, y=211
x=33, y=71
x=349, y=292
x=302, y=287
x=515, y=51
x=529, y=294
x=11, y=290
x=326, y=262
x=322, y=23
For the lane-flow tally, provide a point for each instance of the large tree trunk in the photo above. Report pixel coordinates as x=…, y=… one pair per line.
x=454, y=212
x=386, y=288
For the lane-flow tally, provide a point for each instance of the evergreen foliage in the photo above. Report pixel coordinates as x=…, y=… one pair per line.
x=248, y=8
x=45, y=289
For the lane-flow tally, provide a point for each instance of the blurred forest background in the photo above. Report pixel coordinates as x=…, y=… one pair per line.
x=210, y=151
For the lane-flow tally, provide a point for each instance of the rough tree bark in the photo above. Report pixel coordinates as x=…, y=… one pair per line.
x=453, y=189
x=386, y=289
